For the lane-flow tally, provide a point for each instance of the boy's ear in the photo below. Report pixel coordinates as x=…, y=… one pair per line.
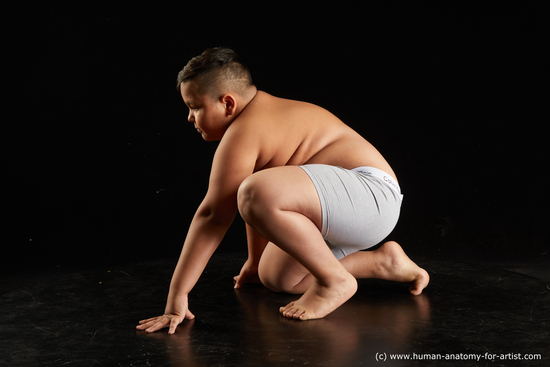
x=229, y=103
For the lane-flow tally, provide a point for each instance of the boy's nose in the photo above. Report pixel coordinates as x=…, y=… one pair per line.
x=191, y=117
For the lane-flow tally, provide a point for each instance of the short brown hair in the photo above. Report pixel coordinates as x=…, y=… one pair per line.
x=216, y=69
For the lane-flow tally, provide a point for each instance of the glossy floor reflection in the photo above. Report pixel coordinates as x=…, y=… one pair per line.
x=88, y=318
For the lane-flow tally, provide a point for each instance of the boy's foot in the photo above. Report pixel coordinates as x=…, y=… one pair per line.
x=391, y=263
x=320, y=300
x=396, y=266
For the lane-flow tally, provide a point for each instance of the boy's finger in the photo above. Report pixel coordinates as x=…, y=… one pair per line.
x=173, y=325
x=145, y=324
x=238, y=281
x=142, y=326
x=157, y=326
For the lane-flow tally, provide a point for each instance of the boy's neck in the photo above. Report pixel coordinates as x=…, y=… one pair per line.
x=246, y=99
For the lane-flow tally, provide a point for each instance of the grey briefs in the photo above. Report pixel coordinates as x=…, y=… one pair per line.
x=360, y=207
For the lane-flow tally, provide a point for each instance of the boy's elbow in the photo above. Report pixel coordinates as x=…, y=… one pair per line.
x=218, y=218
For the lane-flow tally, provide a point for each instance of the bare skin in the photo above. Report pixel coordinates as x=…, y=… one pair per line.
x=263, y=140
x=389, y=262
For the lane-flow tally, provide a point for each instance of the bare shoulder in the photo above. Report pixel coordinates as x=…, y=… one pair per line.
x=288, y=132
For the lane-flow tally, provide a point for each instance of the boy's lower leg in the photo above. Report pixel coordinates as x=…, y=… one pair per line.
x=331, y=283
x=389, y=262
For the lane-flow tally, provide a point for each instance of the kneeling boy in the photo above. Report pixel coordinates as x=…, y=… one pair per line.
x=312, y=192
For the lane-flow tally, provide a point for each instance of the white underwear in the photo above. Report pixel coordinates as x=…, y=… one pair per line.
x=359, y=207
x=378, y=173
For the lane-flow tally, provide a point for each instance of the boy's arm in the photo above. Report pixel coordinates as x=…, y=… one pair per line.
x=256, y=247
x=234, y=161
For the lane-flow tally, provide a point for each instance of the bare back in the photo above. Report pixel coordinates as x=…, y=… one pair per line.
x=287, y=132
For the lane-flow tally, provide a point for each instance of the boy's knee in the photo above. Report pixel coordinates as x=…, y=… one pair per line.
x=254, y=197
x=267, y=280
x=276, y=281
x=246, y=197
x=271, y=279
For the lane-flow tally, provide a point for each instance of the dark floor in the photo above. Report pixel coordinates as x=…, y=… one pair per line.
x=88, y=318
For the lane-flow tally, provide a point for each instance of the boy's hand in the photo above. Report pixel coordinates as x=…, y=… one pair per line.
x=174, y=315
x=248, y=274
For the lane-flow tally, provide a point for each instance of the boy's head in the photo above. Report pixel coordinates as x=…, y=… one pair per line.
x=217, y=71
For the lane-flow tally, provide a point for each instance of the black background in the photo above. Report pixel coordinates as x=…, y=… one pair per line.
x=102, y=167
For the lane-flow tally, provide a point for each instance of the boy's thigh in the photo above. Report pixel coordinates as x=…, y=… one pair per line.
x=286, y=188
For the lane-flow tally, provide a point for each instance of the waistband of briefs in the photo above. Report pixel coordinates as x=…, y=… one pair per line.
x=378, y=173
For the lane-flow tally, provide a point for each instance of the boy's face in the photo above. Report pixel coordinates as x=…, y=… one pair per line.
x=207, y=114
